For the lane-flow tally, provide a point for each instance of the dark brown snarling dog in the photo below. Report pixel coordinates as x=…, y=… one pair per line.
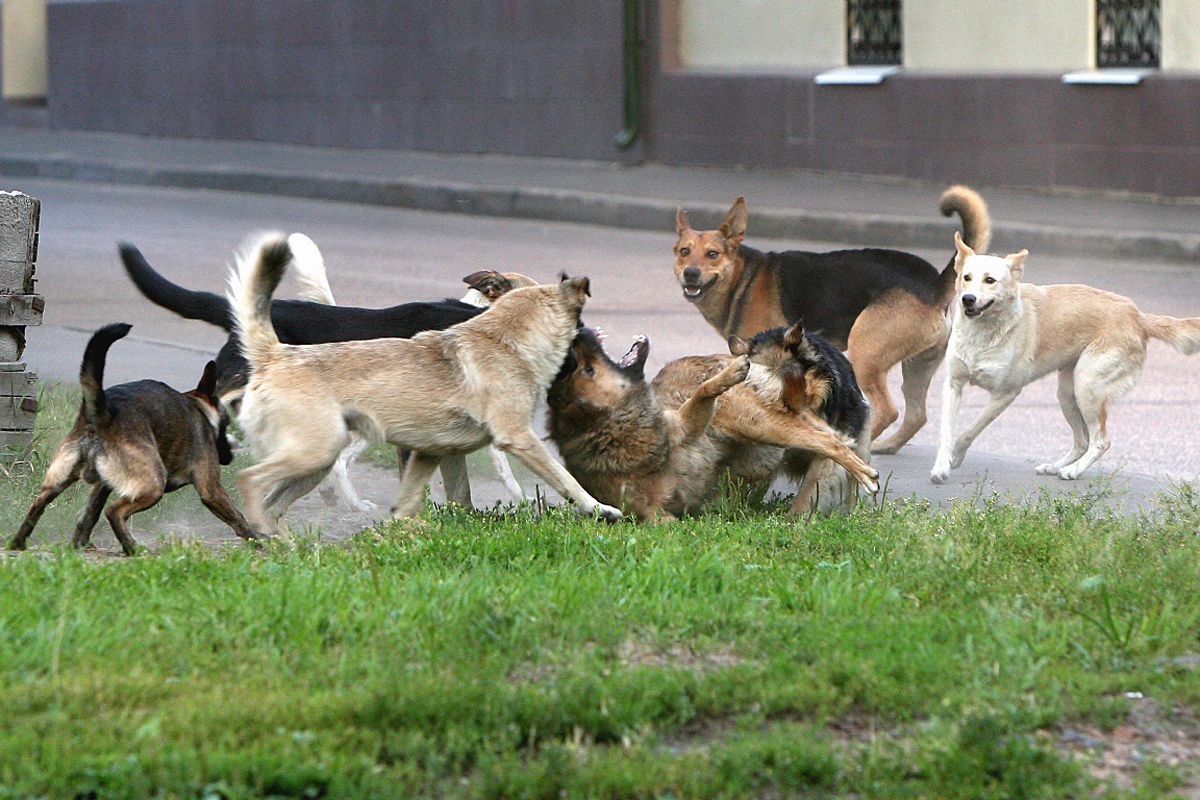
x=660, y=449
x=139, y=440
x=882, y=306
x=806, y=373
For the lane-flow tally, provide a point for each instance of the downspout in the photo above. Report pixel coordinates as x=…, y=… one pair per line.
x=633, y=74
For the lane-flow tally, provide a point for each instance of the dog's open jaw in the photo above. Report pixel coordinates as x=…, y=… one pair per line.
x=637, y=353
x=694, y=291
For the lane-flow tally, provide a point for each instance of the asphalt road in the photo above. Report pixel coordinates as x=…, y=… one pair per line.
x=379, y=256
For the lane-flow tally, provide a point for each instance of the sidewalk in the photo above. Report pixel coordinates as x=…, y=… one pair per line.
x=783, y=204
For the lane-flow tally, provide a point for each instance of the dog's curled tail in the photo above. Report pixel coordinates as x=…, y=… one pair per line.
x=260, y=267
x=91, y=371
x=976, y=227
x=1182, y=334
x=310, y=270
x=973, y=211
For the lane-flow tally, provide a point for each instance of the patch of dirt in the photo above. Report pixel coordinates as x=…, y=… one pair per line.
x=1149, y=735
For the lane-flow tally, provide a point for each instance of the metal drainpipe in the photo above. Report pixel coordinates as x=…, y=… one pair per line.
x=633, y=74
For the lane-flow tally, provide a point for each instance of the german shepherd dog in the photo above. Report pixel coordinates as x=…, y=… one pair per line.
x=881, y=306
x=318, y=320
x=807, y=373
x=437, y=394
x=659, y=450
x=1008, y=334
x=139, y=440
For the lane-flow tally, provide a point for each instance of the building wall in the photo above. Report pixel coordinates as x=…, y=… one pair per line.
x=762, y=33
x=1014, y=36
x=526, y=77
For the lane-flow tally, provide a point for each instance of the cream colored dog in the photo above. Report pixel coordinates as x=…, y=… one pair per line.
x=439, y=394
x=1007, y=334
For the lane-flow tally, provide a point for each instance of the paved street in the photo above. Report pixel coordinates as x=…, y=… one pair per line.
x=379, y=256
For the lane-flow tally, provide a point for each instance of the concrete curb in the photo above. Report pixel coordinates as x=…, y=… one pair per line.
x=635, y=213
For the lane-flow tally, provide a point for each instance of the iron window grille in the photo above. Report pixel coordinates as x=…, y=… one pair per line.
x=873, y=32
x=1128, y=33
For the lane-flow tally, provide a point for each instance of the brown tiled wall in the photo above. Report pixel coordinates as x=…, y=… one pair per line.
x=1022, y=130
x=527, y=77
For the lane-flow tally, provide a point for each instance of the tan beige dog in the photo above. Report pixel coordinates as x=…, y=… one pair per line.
x=1008, y=334
x=438, y=394
x=883, y=307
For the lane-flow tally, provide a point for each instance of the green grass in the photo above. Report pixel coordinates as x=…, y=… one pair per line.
x=893, y=652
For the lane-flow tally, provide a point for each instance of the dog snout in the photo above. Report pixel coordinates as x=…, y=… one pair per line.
x=691, y=275
x=969, y=300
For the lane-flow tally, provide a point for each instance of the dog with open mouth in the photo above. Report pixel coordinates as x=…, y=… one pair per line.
x=659, y=449
x=883, y=307
x=1007, y=334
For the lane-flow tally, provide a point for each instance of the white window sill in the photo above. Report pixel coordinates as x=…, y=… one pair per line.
x=855, y=75
x=1113, y=76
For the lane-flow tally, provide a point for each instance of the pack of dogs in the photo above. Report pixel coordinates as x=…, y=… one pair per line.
x=801, y=393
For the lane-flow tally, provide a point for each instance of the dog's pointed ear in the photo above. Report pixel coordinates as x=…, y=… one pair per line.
x=794, y=335
x=1016, y=264
x=733, y=227
x=961, y=252
x=682, y=225
x=738, y=346
x=578, y=288
x=489, y=283
x=207, y=387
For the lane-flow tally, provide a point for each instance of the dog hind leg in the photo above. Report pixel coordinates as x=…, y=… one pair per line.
x=91, y=513
x=918, y=373
x=118, y=515
x=1074, y=417
x=1101, y=379
x=65, y=468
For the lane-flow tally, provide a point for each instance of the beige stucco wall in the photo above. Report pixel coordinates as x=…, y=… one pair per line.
x=788, y=34
x=23, y=50
x=990, y=36
x=1181, y=35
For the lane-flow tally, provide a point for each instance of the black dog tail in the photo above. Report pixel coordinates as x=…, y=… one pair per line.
x=976, y=225
x=91, y=371
x=205, y=306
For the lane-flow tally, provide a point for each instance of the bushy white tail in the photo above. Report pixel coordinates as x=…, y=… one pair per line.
x=1182, y=334
x=310, y=270
x=260, y=267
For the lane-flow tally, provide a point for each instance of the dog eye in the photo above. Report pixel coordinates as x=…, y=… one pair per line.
x=989, y=279
x=967, y=278
x=712, y=254
x=685, y=251
x=589, y=369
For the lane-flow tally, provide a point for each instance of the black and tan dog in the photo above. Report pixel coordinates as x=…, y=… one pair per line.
x=884, y=307
x=807, y=373
x=659, y=449
x=138, y=440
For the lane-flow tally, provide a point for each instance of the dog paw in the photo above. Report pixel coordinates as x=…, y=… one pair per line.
x=738, y=370
x=871, y=484
x=1070, y=472
x=939, y=473
x=1046, y=469
x=607, y=513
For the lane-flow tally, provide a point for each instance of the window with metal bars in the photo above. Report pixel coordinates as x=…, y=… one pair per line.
x=1128, y=33
x=873, y=32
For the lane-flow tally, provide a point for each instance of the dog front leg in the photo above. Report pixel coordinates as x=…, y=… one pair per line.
x=993, y=409
x=456, y=481
x=697, y=411
x=414, y=477
x=951, y=401
x=215, y=499
x=805, y=431
x=533, y=454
